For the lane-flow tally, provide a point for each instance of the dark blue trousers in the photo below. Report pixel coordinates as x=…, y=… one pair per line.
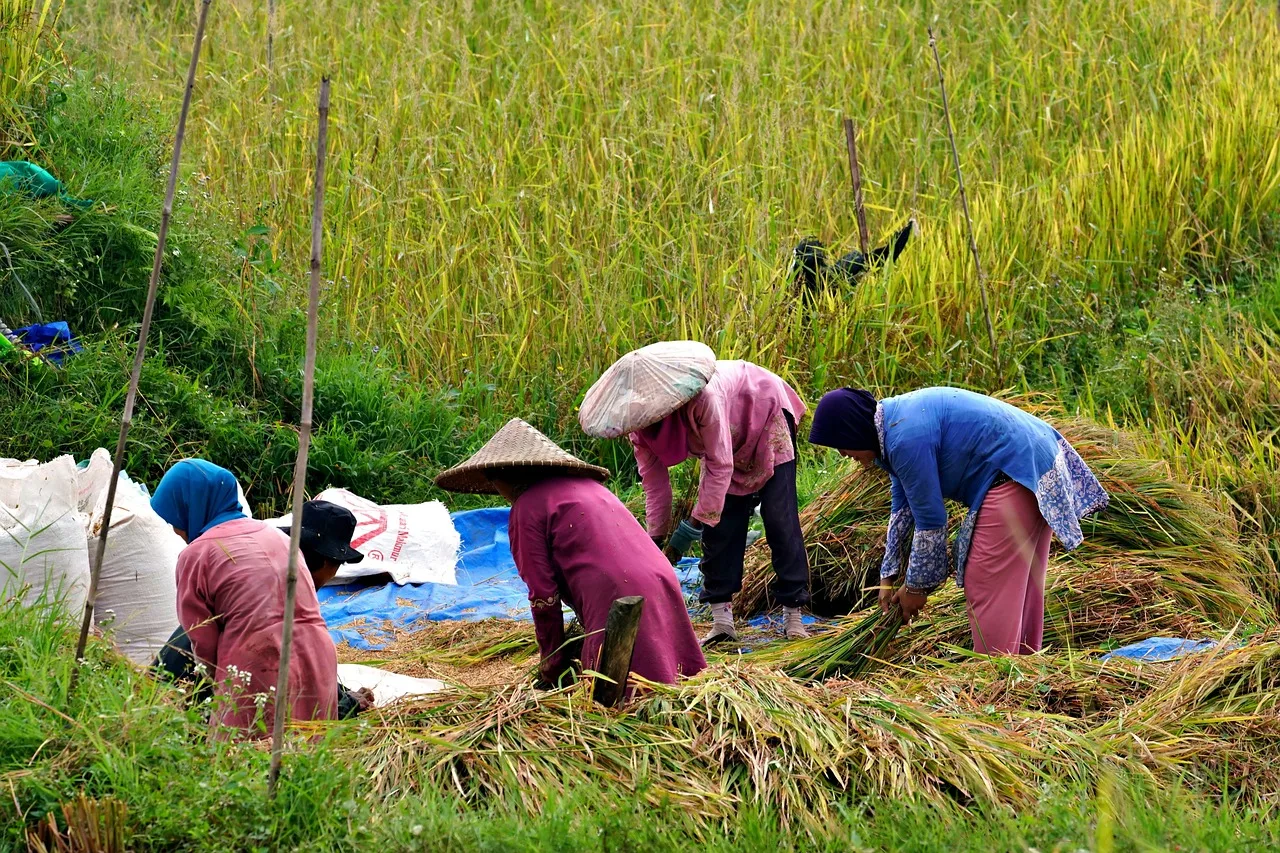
x=725, y=545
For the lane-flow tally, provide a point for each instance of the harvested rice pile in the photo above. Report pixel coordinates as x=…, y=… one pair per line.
x=870, y=709
x=980, y=730
x=484, y=653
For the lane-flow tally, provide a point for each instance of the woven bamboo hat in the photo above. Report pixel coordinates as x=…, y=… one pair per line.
x=644, y=386
x=516, y=445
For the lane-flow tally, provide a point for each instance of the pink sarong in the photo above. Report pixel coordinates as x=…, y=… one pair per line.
x=1004, y=578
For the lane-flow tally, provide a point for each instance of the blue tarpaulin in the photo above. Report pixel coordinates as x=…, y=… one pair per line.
x=488, y=587
x=1156, y=649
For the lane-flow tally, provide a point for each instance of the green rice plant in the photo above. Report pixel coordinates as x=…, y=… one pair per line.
x=523, y=192
x=29, y=48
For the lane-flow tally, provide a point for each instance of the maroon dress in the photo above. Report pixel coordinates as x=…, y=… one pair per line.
x=574, y=542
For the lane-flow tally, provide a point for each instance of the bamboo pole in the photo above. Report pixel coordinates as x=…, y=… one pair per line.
x=855, y=177
x=126, y=419
x=271, y=101
x=271, y=37
x=964, y=205
x=304, y=442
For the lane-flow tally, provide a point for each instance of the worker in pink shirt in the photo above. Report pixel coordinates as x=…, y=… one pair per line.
x=231, y=588
x=742, y=426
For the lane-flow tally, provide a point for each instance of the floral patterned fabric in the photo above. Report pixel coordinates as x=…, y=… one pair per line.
x=943, y=444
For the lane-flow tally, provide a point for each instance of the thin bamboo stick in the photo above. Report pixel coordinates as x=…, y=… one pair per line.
x=855, y=177
x=964, y=205
x=126, y=419
x=304, y=442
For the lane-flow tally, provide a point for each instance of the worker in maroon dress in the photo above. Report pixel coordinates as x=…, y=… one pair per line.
x=575, y=543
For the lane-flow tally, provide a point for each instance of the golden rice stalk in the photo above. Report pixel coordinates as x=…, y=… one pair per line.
x=1216, y=720
x=1113, y=599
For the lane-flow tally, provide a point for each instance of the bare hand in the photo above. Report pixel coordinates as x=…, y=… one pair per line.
x=672, y=555
x=909, y=603
x=886, y=595
x=364, y=698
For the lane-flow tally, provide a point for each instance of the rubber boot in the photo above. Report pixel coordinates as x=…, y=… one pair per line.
x=722, y=629
x=793, y=624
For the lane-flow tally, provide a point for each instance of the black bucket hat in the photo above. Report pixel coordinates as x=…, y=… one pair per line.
x=326, y=530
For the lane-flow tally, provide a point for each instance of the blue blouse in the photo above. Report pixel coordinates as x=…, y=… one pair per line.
x=950, y=444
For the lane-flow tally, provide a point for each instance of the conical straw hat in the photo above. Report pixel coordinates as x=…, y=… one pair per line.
x=516, y=445
x=644, y=386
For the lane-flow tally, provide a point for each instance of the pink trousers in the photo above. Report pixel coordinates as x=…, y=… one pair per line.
x=1004, y=573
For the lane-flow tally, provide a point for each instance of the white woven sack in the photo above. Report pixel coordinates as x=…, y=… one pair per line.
x=43, y=557
x=92, y=479
x=414, y=543
x=137, y=589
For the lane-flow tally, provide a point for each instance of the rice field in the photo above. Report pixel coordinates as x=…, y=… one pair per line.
x=519, y=192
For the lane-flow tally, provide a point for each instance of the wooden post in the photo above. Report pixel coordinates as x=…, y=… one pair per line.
x=855, y=176
x=620, y=629
x=964, y=205
x=304, y=444
x=126, y=419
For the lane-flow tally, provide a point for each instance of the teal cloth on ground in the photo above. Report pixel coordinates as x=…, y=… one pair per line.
x=32, y=180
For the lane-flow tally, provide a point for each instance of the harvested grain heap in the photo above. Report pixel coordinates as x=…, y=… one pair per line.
x=989, y=731
x=1161, y=559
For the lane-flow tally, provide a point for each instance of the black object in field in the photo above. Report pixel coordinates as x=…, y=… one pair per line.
x=811, y=269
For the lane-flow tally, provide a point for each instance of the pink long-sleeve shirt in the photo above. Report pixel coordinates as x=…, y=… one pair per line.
x=231, y=588
x=737, y=427
x=575, y=543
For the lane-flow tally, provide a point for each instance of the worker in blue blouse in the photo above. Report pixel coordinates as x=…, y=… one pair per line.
x=1021, y=480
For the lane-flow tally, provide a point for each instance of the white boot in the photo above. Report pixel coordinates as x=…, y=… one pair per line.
x=721, y=624
x=793, y=624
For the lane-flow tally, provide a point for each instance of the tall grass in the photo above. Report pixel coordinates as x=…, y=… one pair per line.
x=525, y=190
x=28, y=48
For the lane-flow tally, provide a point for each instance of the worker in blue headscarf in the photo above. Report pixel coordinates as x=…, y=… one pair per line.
x=231, y=592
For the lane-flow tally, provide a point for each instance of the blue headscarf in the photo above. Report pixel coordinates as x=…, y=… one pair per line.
x=195, y=495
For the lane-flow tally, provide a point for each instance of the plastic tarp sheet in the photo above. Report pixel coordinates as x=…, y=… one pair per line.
x=488, y=587
x=1157, y=649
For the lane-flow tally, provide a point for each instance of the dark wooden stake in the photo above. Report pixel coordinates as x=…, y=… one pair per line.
x=126, y=419
x=617, y=647
x=964, y=205
x=855, y=176
x=304, y=444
